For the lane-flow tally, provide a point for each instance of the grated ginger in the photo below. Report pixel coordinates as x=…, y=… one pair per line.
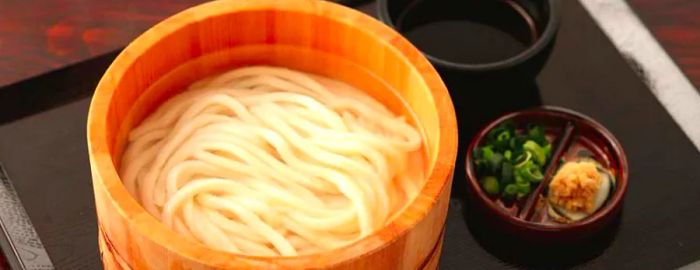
x=575, y=185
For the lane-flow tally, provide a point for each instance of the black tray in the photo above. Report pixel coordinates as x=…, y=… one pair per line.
x=43, y=149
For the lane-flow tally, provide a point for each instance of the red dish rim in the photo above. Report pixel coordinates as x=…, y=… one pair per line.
x=616, y=151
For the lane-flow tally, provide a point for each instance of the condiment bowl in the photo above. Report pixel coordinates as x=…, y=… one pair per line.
x=588, y=133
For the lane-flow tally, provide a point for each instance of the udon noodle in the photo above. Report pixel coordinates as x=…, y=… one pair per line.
x=269, y=161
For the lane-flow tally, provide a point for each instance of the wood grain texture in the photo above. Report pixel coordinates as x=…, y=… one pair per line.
x=114, y=262
x=41, y=35
x=676, y=24
x=308, y=35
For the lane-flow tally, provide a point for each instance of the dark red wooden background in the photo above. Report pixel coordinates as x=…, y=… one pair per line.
x=38, y=36
x=676, y=24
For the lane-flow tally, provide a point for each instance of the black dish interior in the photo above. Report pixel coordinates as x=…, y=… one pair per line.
x=531, y=22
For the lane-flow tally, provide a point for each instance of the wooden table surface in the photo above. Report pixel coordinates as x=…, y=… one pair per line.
x=42, y=35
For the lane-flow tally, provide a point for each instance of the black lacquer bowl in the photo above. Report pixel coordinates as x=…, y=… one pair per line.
x=542, y=16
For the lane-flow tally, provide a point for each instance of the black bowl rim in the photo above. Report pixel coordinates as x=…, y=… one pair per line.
x=606, y=211
x=541, y=43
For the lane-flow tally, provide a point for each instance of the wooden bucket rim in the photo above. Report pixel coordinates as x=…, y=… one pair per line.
x=149, y=227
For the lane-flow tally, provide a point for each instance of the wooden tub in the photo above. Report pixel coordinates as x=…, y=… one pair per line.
x=309, y=35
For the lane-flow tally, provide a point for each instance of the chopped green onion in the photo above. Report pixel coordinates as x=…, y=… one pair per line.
x=516, y=143
x=522, y=159
x=495, y=162
x=503, y=136
x=506, y=173
x=502, y=140
x=500, y=135
x=490, y=185
x=536, y=175
x=486, y=152
x=536, y=133
x=530, y=172
x=522, y=189
x=537, y=151
x=512, y=159
x=510, y=191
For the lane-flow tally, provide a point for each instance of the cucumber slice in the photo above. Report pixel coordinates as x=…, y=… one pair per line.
x=607, y=173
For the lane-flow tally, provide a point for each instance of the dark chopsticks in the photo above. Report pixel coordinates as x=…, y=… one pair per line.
x=564, y=142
